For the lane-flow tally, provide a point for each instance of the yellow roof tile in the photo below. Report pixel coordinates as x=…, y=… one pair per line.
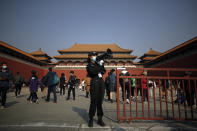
x=94, y=47
x=85, y=56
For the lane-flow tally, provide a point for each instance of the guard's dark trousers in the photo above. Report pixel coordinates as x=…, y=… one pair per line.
x=97, y=90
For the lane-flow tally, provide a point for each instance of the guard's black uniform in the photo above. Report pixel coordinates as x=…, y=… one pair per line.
x=97, y=89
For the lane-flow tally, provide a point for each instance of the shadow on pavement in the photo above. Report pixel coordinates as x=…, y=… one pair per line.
x=8, y=104
x=21, y=96
x=82, y=113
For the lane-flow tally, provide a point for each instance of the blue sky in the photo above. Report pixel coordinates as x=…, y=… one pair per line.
x=133, y=24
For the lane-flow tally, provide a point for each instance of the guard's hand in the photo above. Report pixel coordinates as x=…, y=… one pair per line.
x=99, y=75
x=101, y=62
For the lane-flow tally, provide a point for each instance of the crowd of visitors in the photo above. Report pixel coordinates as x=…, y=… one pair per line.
x=131, y=86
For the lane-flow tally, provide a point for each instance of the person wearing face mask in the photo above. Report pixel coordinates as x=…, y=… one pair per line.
x=95, y=70
x=124, y=83
x=33, y=87
x=5, y=78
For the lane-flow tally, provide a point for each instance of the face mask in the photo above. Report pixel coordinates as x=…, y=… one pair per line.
x=94, y=58
x=124, y=71
x=4, y=66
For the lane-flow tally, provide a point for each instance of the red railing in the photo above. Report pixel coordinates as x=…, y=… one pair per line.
x=174, y=95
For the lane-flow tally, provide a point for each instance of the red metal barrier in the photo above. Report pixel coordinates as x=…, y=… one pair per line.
x=174, y=95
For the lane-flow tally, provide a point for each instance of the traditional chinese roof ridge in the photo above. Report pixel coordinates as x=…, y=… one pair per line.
x=42, y=58
x=94, y=47
x=148, y=58
x=39, y=52
x=187, y=45
x=18, y=51
x=85, y=56
x=151, y=52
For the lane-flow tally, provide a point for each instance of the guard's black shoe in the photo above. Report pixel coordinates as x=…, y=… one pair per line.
x=90, y=123
x=46, y=100
x=101, y=123
x=67, y=98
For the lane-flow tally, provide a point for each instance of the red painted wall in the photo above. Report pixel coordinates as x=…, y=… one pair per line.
x=80, y=73
x=23, y=68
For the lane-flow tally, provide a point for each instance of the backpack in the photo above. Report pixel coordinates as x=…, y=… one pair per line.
x=55, y=80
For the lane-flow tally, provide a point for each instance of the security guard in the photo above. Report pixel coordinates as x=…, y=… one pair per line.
x=95, y=70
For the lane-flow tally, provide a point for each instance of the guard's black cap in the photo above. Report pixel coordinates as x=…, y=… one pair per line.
x=92, y=54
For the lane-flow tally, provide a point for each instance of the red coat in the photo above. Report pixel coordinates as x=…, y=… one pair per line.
x=144, y=83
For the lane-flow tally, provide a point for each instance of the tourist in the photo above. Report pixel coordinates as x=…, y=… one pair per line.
x=144, y=86
x=87, y=85
x=62, y=84
x=50, y=77
x=44, y=87
x=97, y=88
x=18, y=82
x=112, y=84
x=133, y=82
x=33, y=87
x=125, y=83
x=107, y=80
x=138, y=87
x=5, y=78
x=83, y=84
x=189, y=87
x=151, y=85
x=71, y=82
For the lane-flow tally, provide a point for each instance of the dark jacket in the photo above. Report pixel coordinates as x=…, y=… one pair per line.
x=72, y=80
x=94, y=69
x=107, y=81
x=18, y=80
x=62, y=81
x=112, y=82
x=33, y=84
x=5, y=78
x=50, y=78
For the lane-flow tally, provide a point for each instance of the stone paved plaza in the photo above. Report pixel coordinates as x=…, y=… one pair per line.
x=72, y=115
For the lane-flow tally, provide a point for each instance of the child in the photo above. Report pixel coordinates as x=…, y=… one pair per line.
x=34, y=82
